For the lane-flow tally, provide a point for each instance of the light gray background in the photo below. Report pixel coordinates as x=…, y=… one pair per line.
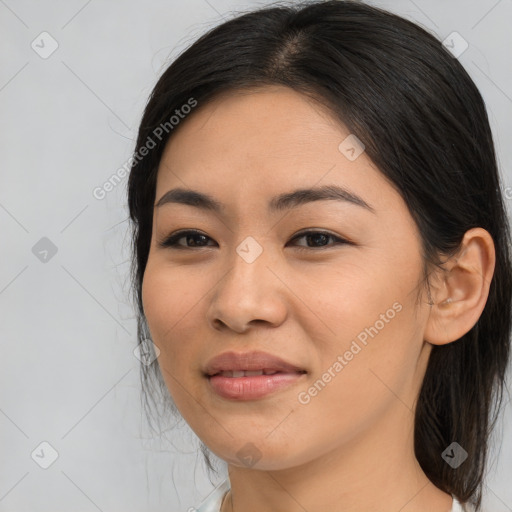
x=68, y=375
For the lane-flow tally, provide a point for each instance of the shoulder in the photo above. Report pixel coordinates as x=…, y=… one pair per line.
x=459, y=507
x=213, y=501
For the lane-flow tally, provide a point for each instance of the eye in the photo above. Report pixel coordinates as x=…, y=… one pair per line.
x=172, y=241
x=319, y=239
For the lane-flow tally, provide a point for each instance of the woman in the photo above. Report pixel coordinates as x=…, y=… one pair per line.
x=322, y=259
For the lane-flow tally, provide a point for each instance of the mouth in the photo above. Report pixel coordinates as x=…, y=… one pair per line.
x=232, y=364
x=250, y=375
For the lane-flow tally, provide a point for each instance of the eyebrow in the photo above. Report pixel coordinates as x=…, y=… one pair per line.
x=276, y=204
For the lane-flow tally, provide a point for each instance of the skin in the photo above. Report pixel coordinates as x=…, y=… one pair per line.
x=350, y=448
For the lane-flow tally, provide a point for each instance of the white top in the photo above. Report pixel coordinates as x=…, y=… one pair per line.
x=214, y=500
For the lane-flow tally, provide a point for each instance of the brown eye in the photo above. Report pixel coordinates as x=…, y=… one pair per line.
x=195, y=238
x=319, y=239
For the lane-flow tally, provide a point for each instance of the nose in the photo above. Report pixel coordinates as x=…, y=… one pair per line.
x=250, y=293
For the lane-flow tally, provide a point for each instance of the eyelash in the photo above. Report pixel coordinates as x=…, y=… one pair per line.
x=171, y=241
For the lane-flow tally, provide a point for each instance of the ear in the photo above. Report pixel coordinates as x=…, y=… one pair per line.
x=463, y=289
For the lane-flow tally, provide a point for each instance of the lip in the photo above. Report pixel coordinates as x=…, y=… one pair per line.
x=250, y=361
x=250, y=387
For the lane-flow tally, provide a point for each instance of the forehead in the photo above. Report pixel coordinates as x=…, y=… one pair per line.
x=247, y=144
x=258, y=129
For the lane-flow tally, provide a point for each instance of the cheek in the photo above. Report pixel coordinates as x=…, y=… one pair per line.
x=351, y=394
x=349, y=296
x=373, y=327
x=170, y=305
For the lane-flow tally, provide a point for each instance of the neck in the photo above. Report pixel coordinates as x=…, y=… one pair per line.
x=377, y=471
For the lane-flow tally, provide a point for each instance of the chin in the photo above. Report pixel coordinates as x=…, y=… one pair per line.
x=258, y=455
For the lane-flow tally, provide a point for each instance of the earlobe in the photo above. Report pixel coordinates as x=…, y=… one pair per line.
x=459, y=302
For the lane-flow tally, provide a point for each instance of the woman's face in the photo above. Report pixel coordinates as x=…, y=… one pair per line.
x=345, y=313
